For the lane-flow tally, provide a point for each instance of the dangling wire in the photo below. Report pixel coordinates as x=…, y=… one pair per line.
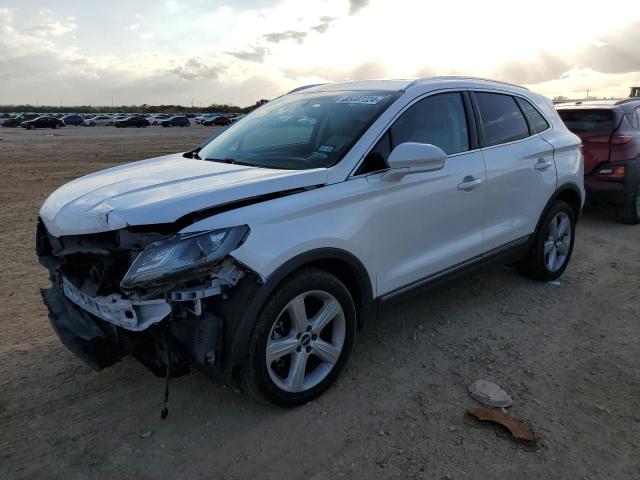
x=165, y=409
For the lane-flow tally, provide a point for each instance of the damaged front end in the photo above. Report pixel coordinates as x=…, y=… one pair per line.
x=136, y=291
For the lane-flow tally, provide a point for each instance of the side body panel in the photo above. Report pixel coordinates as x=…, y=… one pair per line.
x=424, y=224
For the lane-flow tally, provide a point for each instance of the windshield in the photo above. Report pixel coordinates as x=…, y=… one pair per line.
x=300, y=131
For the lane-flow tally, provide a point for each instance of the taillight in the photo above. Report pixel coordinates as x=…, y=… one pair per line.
x=615, y=139
x=620, y=139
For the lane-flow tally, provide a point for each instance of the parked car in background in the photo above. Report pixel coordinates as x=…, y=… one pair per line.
x=157, y=119
x=177, y=121
x=100, y=120
x=17, y=120
x=201, y=118
x=73, y=120
x=259, y=254
x=217, y=120
x=45, y=121
x=133, y=121
x=610, y=133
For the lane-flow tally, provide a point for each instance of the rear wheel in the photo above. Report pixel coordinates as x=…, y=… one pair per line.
x=553, y=244
x=302, y=338
x=629, y=212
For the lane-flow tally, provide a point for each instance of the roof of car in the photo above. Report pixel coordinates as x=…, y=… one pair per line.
x=598, y=103
x=398, y=85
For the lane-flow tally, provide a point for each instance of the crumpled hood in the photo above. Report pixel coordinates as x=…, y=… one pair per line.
x=160, y=190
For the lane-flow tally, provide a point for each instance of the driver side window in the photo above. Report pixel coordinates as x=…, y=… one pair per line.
x=439, y=120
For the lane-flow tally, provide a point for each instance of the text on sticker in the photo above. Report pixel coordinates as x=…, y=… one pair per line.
x=363, y=99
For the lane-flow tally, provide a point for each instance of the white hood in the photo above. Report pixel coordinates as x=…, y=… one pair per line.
x=160, y=190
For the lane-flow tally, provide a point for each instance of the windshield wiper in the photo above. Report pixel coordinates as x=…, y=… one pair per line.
x=231, y=161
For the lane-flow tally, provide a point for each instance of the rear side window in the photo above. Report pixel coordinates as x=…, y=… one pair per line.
x=634, y=118
x=537, y=123
x=589, y=119
x=501, y=119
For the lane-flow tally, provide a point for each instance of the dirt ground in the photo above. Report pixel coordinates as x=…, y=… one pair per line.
x=568, y=354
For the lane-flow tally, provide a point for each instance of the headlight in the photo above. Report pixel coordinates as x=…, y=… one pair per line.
x=182, y=255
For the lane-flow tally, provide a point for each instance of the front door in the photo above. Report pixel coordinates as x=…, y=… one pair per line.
x=428, y=222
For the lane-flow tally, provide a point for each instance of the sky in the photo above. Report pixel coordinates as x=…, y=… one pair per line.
x=200, y=52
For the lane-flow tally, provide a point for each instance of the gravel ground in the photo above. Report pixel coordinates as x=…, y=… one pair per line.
x=567, y=354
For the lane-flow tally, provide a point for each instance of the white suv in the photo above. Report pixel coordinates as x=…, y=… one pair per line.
x=259, y=254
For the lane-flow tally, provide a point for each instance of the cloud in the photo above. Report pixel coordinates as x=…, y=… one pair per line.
x=325, y=23
x=356, y=5
x=364, y=71
x=615, y=52
x=195, y=69
x=52, y=28
x=255, y=54
x=544, y=67
x=277, y=37
x=132, y=27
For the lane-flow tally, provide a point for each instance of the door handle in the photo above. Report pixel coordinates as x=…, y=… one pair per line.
x=542, y=164
x=469, y=183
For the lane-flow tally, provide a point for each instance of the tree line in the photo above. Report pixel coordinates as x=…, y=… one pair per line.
x=144, y=108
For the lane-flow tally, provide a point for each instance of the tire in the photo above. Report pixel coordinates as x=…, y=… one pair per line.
x=275, y=380
x=29, y=127
x=92, y=124
x=629, y=212
x=550, y=254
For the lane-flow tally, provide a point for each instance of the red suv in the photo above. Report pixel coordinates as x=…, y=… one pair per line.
x=610, y=133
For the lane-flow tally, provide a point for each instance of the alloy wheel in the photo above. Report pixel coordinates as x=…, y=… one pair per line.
x=558, y=242
x=305, y=341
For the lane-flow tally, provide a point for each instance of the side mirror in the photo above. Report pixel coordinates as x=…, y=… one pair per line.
x=411, y=157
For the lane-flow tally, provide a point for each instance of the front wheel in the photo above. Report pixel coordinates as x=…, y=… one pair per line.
x=302, y=338
x=553, y=244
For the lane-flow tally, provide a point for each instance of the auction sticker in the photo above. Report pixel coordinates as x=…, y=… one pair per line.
x=362, y=99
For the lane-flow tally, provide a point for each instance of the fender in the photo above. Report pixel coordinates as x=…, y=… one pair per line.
x=245, y=302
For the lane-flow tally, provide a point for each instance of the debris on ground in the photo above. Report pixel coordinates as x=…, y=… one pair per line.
x=490, y=394
x=554, y=282
x=517, y=427
x=146, y=434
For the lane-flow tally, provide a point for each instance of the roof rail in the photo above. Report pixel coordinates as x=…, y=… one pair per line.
x=459, y=77
x=304, y=87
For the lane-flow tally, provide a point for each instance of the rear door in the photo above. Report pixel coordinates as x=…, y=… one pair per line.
x=521, y=174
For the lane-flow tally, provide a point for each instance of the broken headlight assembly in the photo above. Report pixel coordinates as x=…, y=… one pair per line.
x=182, y=255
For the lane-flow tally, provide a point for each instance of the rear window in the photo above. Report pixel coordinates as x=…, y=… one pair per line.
x=502, y=120
x=589, y=120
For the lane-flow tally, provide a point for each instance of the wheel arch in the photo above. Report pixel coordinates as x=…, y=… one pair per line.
x=246, y=301
x=569, y=193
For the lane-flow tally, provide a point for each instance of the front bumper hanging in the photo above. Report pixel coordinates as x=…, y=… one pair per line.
x=97, y=345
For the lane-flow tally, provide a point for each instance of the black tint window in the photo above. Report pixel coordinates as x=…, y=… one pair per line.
x=439, y=120
x=537, y=123
x=376, y=159
x=502, y=120
x=635, y=118
x=589, y=120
